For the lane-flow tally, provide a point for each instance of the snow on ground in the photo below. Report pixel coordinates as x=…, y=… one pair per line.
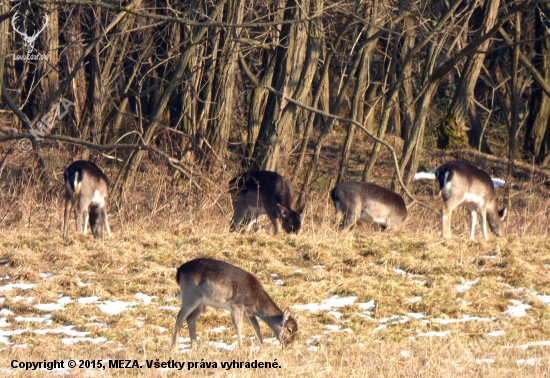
x=21, y=286
x=517, y=310
x=115, y=308
x=466, y=286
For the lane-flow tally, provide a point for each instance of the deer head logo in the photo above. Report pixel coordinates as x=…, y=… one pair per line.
x=28, y=39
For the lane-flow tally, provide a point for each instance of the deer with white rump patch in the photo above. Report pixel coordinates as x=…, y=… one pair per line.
x=87, y=191
x=264, y=192
x=208, y=282
x=370, y=202
x=462, y=182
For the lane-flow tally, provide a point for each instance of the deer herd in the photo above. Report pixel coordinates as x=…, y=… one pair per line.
x=208, y=282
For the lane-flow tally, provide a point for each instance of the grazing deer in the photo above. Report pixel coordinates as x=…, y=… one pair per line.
x=207, y=282
x=370, y=202
x=462, y=182
x=87, y=187
x=263, y=192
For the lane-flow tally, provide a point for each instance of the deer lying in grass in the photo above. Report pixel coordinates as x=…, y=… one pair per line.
x=86, y=190
x=370, y=202
x=207, y=282
x=263, y=192
x=462, y=182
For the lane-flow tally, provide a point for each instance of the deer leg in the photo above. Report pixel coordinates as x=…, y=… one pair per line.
x=252, y=220
x=350, y=218
x=254, y=323
x=192, y=325
x=183, y=314
x=104, y=214
x=272, y=214
x=68, y=208
x=237, y=319
x=473, y=219
x=446, y=213
x=86, y=217
x=483, y=213
x=239, y=212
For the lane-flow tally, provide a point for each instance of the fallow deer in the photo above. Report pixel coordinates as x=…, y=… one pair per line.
x=370, y=202
x=462, y=182
x=87, y=191
x=264, y=192
x=208, y=282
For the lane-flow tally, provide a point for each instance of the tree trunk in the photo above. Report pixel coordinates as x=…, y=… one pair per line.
x=537, y=135
x=457, y=116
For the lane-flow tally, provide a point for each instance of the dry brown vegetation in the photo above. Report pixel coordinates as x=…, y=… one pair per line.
x=165, y=222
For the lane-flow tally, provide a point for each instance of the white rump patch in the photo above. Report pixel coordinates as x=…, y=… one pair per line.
x=99, y=199
x=469, y=197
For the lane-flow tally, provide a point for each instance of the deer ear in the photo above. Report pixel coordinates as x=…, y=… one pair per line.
x=286, y=314
x=503, y=213
x=284, y=209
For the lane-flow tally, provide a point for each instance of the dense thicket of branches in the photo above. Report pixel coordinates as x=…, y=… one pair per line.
x=190, y=77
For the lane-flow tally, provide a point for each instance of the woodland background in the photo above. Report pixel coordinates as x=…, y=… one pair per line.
x=198, y=83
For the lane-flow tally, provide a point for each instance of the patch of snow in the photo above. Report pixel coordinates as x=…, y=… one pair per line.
x=327, y=304
x=170, y=308
x=3, y=323
x=74, y=340
x=21, y=286
x=297, y=271
x=4, y=340
x=221, y=345
x=544, y=298
x=496, y=334
x=339, y=302
x=87, y=300
x=115, y=308
x=64, y=300
x=49, y=307
x=534, y=343
x=381, y=326
x=5, y=312
x=414, y=300
x=517, y=310
x=2, y=299
x=465, y=318
x=96, y=324
x=278, y=282
x=530, y=361
x=367, y=305
x=20, y=298
x=434, y=334
x=83, y=284
x=144, y=297
x=273, y=275
x=162, y=329
x=219, y=329
x=45, y=275
x=318, y=267
x=416, y=315
x=401, y=272
x=482, y=361
x=466, y=286
x=489, y=257
x=498, y=182
x=336, y=314
x=67, y=330
x=430, y=175
x=405, y=353
x=45, y=320
x=333, y=327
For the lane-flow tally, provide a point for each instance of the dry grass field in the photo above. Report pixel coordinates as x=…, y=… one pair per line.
x=410, y=303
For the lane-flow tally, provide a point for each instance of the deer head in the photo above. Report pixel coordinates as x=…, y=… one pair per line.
x=28, y=39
